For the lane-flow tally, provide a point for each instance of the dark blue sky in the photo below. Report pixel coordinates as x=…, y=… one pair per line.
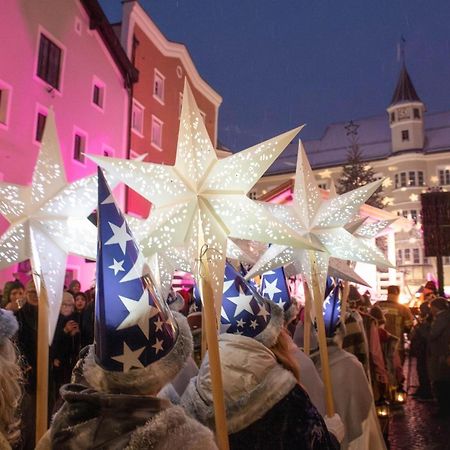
x=279, y=63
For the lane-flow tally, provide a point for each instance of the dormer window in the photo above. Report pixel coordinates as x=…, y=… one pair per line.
x=392, y=117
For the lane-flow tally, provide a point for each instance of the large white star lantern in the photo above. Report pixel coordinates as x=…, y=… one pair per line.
x=321, y=222
x=48, y=220
x=203, y=200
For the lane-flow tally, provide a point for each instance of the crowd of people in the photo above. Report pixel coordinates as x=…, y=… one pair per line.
x=274, y=394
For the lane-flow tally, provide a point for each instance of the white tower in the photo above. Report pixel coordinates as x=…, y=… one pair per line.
x=406, y=115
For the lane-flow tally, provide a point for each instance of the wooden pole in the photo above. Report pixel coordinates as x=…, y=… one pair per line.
x=307, y=320
x=42, y=364
x=345, y=292
x=210, y=326
x=318, y=304
x=204, y=346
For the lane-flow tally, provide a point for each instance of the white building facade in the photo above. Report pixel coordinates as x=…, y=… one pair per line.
x=408, y=147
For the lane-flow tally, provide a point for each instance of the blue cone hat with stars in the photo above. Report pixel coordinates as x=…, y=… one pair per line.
x=135, y=332
x=246, y=312
x=274, y=287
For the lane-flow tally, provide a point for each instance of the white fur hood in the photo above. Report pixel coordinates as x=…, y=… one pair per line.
x=253, y=383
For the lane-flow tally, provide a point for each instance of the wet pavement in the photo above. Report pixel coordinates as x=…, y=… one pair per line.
x=413, y=427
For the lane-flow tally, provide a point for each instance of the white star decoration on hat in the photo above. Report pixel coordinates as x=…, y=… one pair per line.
x=271, y=288
x=242, y=303
x=130, y=358
x=140, y=312
x=203, y=200
x=48, y=220
x=120, y=236
x=320, y=221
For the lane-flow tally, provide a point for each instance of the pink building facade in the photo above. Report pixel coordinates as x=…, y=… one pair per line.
x=62, y=55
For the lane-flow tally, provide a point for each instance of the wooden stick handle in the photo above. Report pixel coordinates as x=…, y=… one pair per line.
x=210, y=327
x=345, y=292
x=42, y=365
x=307, y=320
x=204, y=345
x=326, y=375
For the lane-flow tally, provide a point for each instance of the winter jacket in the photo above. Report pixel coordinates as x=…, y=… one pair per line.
x=352, y=399
x=439, y=347
x=94, y=420
x=265, y=406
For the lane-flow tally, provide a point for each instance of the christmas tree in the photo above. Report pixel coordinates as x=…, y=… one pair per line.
x=356, y=172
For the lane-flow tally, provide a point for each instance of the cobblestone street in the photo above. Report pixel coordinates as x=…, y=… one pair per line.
x=413, y=427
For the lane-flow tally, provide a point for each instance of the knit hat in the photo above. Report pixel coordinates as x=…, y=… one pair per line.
x=275, y=288
x=8, y=325
x=140, y=344
x=246, y=312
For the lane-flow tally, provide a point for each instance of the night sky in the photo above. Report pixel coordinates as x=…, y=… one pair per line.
x=280, y=63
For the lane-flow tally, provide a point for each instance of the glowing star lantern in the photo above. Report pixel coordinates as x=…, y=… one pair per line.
x=321, y=222
x=48, y=220
x=165, y=262
x=203, y=200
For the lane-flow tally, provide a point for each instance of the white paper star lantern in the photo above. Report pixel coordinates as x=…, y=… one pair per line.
x=48, y=220
x=320, y=221
x=203, y=199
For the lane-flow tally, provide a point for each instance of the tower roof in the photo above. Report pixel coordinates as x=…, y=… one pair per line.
x=404, y=91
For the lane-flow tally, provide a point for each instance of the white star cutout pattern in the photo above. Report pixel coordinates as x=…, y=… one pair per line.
x=120, y=236
x=129, y=358
x=240, y=323
x=242, y=303
x=253, y=324
x=117, y=266
x=158, y=345
x=271, y=288
x=139, y=313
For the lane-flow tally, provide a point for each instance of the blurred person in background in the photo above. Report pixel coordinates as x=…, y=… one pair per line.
x=399, y=319
x=10, y=379
x=439, y=354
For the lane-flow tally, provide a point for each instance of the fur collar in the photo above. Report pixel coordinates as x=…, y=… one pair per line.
x=142, y=381
x=253, y=383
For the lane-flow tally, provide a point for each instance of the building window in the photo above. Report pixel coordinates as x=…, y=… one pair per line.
x=5, y=94
x=444, y=177
x=405, y=135
x=407, y=253
x=40, y=125
x=412, y=178
x=158, y=87
x=399, y=257
x=416, y=256
x=392, y=117
x=414, y=214
x=405, y=213
x=420, y=178
x=49, y=62
x=79, y=145
x=416, y=113
x=98, y=94
x=403, y=179
x=137, y=118
x=157, y=130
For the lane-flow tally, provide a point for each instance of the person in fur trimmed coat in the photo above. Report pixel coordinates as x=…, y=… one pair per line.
x=266, y=406
x=140, y=346
x=123, y=412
